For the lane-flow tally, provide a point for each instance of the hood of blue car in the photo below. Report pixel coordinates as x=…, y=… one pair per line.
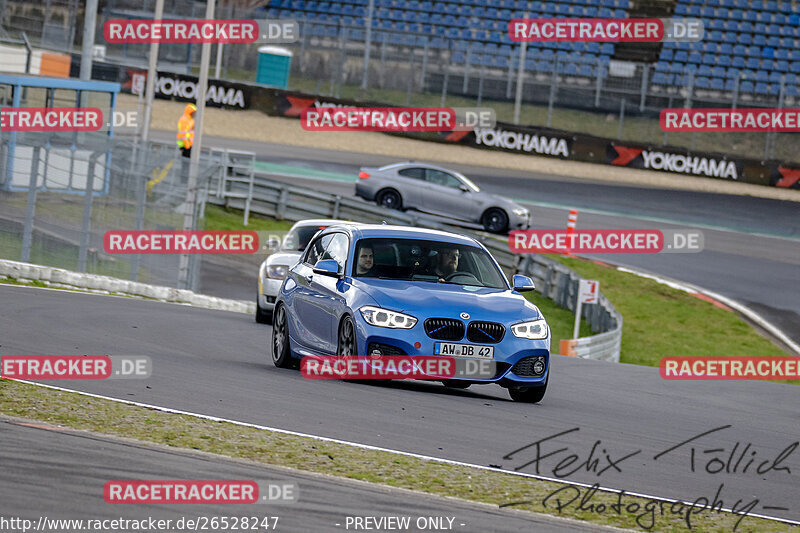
x=424, y=300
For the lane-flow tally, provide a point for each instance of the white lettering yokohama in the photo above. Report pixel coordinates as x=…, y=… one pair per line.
x=690, y=164
x=512, y=140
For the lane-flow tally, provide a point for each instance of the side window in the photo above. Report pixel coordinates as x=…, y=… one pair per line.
x=337, y=250
x=317, y=249
x=415, y=173
x=438, y=177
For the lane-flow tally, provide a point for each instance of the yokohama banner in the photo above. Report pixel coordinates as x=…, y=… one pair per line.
x=666, y=160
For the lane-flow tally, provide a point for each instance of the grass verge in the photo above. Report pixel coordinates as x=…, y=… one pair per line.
x=661, y=321
x=303, y=453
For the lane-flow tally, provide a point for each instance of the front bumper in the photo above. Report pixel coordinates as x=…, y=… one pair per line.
x=507, y=353
x=268, y=290
x=519, y=222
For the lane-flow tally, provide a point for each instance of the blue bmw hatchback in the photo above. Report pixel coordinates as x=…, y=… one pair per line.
x=388, y=290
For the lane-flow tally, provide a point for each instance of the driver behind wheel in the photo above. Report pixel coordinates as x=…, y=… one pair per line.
x=446, y=262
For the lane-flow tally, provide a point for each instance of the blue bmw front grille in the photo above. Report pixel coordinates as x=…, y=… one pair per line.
x=444, y=329
x=485, y=332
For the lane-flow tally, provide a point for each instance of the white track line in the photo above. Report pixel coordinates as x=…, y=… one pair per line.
x=389, y=450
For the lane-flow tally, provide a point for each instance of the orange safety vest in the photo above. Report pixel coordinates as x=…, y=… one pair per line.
x=185, y=135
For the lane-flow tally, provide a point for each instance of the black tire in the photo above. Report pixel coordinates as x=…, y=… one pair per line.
x=281, y=354
x=262, y=316
x=456, y=384
x=346, y=344
x=495, y=221
x=390, y=199
x=528, y=394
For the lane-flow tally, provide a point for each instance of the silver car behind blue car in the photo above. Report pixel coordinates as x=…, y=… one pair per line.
x=439, y=191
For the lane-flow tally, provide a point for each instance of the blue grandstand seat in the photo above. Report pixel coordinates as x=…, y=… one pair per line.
x=661, y=78
x=695, y=11
x=681, y=56
x=792, y=90
x=746, y=38
x=765, y=17
x=620, y=13
x=716, y=35
x=753, y=63
x=728, y=3
x=771, y=5
x=786, y=7
x=702, y=82
x=590, y=12
x=681, y=9
x=718, y=72
x=571, y=69
x=737, y=14
x=710, y=59
x=754, y=51
x=750, y=15
x=739, y=62
x=708, y=11
x=723, y=60
x=726, y=49
x=666, y=54
x=605, y=13
x=779, y=19
x=740, y=50
x=717, y=84
x=782, y=65
x=607, y=49
x=586, y=70
x=746, y=87
x=767, y=52
x=796, y=67
x=758, y=5
x=548, y=54
x=676, y=68
x=775, y=77
x=760, y=40
x=762, y=88
x=732, y=73
x=794, y=19
x=695, y=57
x=458, y=58
x=730, y=85
x=662, y=66
x=767, y=64
x=731, y=25
x=697, y=46
x=544, y=66
x=711, y=47
x=730, y=37
x=762, y=76
x=703, y=70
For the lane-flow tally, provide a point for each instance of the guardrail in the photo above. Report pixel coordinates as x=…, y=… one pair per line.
x=554, y=280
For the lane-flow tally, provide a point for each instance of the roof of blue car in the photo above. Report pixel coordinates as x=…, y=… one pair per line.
x=406, y=232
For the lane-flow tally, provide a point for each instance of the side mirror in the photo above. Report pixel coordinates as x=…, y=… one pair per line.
x=463, y=188
x=327, y=267
x=522, y=283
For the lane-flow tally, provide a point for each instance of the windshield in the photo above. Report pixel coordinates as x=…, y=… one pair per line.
x=298, y=238
x=427, y=261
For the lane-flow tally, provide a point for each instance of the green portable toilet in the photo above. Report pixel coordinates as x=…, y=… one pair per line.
x=273, y=66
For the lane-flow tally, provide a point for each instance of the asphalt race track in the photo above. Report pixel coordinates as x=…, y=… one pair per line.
x=752, y=245
x=624, y=423
x=76, y=465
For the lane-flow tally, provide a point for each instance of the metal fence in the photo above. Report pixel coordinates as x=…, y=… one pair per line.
x=141, y=186
x=553, y=280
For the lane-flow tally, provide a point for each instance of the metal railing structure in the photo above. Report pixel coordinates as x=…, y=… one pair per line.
x=552, y=279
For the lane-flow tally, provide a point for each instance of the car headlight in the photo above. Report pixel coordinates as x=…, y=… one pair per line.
x=534, y=330
x=277, y=271
x=384, y=318
x=520, y=211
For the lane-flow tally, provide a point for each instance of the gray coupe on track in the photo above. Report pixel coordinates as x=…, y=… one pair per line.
x=439, y=191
